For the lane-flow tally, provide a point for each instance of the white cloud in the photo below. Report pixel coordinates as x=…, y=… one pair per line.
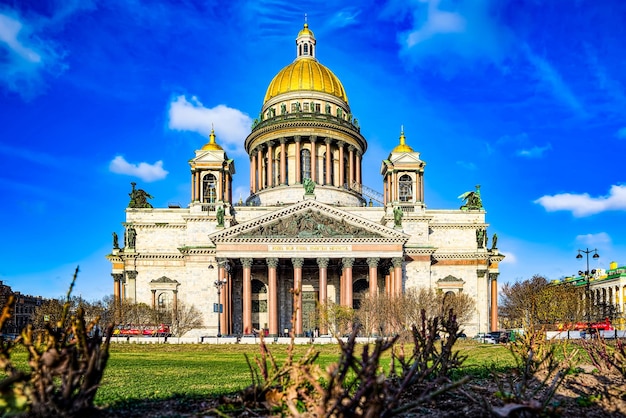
x=534, y=152
x=554, y=82
x=584, y=205
x=437, y=22
x=26, y=57
x=600, y=239
x=467, y=165
x=510, y=258
x=467, y=29
x=621, y=133
x=146, y=172
x=231, y=125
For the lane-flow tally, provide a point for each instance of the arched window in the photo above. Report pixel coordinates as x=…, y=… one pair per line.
x=163, y=300
x=306, y=49
x=332, y=169
x=406, y=188
x=305, y=164
x=209, y=188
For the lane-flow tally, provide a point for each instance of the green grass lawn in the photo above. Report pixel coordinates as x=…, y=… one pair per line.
x=162, y=371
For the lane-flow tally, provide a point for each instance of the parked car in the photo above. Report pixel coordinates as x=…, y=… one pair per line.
x=500, y=336
x=484, y=338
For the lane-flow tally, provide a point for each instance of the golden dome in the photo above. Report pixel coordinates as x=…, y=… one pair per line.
x=306, y=31
x=305, y=74
x=402, y=147
x=212, y=145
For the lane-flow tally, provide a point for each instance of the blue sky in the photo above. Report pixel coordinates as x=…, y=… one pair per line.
x=525, y=98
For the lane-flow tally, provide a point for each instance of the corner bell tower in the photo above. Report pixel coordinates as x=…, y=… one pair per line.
x=403, y=176
x=211, y=177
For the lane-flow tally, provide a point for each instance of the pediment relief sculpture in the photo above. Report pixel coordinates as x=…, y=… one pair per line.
x=309, y=224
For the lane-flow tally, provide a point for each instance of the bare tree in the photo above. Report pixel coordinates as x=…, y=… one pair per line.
x=186, y=319
x=537, y=303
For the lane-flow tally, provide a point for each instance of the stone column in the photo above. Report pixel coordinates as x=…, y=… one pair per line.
x=175, y=304
x=493, y=278
x=270, y=160
x=322, y=264
x=342, y=168
x=272, y=296
x=247, y=295
x=297, y=140
x=117, y=292
x=328, y=180
x=131, y=285
x=193, y=185
x=351, y=166
x=153, y=298
x=372, y=262
x=314, y=159
x=391, y=287
x=397, y=275
x=283, y=161
x=297, y=293
x=347, y=263
x=358, y=167
x=198, y=185
x=228, y=196
x=259, y=157
x=221, y=274
x=253, y=172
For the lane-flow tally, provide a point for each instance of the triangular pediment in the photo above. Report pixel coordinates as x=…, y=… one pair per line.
x=309, y=221
x=405, y=158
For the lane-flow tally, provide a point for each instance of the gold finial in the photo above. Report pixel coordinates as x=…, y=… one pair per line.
x=211, y=145
x=212, y=136
x=402, y=147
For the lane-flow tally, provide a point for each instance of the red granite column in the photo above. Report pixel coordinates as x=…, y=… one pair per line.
x=297, y=293
x=494, y=301
x=270, y=160
x=397, y=275
x=373, y=275
x=259, y=157
x=272, y=296
x=348, y=262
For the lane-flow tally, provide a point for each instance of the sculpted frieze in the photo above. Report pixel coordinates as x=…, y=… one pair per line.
x=309, y=224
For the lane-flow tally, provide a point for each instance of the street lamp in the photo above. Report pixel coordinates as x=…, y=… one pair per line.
x=219, y=283
x=587, y=273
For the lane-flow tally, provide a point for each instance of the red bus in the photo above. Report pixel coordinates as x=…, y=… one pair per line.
x=130, y=330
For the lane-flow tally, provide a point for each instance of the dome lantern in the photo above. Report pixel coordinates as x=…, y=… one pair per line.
x=305, y=43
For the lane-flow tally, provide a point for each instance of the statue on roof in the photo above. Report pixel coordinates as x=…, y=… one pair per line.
x=397, y=216
x=139, y=198
x=309, y=185
x=472, y=200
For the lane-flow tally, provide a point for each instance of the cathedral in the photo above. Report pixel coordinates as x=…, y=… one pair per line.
x=309, y=232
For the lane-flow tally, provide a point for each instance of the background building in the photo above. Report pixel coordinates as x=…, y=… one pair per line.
x=309, y=224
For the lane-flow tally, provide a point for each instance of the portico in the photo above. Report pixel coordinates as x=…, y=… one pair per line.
x=308, y=251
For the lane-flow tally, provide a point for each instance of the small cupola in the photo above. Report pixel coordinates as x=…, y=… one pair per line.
x=305, y=43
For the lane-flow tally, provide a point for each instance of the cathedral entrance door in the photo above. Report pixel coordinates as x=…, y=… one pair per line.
x=309, y=311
